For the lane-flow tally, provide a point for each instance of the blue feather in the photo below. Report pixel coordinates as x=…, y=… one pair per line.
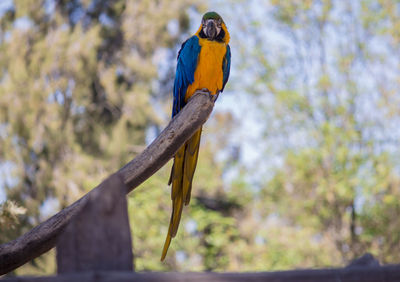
x=226, y=66
x=186, y=66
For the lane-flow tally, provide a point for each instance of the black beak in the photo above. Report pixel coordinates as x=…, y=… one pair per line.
x=211, y=30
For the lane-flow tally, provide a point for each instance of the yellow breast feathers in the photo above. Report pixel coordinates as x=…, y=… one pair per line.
x=209, y=72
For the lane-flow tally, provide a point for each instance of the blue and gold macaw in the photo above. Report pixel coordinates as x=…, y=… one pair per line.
x=203, y=64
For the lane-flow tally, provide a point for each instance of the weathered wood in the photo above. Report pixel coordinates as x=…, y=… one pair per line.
x=100, y=237
x=43, y=237
x=353, y=274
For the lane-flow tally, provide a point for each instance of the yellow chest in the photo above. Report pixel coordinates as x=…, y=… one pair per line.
x=209, y=72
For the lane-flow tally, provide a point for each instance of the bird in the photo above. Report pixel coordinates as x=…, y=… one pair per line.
x=203, y=65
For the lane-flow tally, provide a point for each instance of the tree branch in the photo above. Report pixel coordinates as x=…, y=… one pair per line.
x=44, y=236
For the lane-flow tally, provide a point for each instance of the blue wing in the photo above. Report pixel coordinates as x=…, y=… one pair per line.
x=187, y=63
x=226, y=66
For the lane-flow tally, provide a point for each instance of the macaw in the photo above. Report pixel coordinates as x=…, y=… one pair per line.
x=203, y=63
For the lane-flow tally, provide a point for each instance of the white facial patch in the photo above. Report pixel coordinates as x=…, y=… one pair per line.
x=217, y=24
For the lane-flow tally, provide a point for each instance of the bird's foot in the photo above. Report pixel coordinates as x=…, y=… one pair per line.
x=203, y=91
x=207, y=92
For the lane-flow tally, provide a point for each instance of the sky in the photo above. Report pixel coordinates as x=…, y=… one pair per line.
x=4, y=167
x=4, y=5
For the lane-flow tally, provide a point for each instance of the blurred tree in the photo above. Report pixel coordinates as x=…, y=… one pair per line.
x=78, y=92
x=84, y=83
x=326, y=75
x=81, y=89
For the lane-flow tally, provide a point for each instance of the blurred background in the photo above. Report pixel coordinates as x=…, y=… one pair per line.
x=299, y=163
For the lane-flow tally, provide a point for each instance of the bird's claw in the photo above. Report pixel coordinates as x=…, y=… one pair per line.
x=203, y=91
x=207, y=92
x=215, y=97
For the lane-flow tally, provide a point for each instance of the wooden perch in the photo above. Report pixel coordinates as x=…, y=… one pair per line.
x=43, y=237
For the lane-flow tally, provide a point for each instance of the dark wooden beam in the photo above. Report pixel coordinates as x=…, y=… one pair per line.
x=350, y=274
x=43, y=237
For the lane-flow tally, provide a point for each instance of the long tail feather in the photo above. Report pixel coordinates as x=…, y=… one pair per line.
x=177, y=171
x=166, y=246
x=191, y=155
x=182, y=172
x=177, y=215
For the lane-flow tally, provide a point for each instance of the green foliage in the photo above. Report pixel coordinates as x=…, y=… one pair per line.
x=77, y=95
x=337, y=185
x=9, y=213
x=78, y=80
x=81, y=84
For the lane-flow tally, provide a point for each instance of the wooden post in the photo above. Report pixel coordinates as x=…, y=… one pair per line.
x=99, y=237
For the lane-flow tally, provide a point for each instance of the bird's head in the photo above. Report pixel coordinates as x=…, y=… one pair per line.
x=213, y=28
